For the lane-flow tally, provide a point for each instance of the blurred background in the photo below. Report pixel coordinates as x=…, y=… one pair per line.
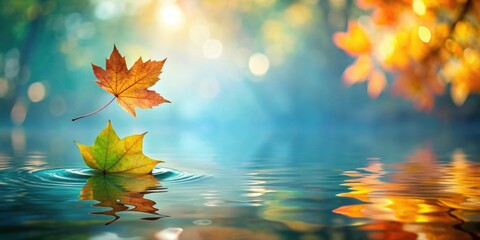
x=230, y=64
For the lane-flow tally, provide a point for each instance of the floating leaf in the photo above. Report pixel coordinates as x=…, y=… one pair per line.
x=110, y=154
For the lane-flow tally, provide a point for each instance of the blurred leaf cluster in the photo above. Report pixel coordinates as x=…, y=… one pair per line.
x=428, y=47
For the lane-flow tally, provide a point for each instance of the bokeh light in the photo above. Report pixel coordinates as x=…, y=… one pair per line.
x=258, y=64
x=36, y=92
x=419, y=7
x=106, y=9
x=299, y=14
x=12, y=64
x=19, y=112
x=424, y=34
x=212, y=48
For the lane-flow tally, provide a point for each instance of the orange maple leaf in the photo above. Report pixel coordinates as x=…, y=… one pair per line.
x=129, y=86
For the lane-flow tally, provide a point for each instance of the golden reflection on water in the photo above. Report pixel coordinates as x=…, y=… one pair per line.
x=122, y=192
x=18, y=141
x=420, y=198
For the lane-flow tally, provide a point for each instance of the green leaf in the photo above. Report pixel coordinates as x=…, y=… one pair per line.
x=110, y=154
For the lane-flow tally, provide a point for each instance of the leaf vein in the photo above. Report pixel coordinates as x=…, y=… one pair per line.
x=125, y=153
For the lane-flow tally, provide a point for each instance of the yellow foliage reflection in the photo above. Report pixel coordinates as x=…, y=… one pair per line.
x=425, y=196
x=122, y=192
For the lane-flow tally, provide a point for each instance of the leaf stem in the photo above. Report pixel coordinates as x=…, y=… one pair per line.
x=89, y=114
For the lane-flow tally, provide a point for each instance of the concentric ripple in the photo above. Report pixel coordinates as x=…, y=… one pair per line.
x=167, y=175
x=45, y=177
x=41, y=177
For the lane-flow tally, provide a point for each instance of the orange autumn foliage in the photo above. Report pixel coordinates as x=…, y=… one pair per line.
x=361, y=45
x=363, y=68
x=422, y=45
x=419, y=85
x=130, y=86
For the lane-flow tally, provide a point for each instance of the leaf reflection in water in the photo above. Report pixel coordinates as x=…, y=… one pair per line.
x=423, y=196
x=122, y=192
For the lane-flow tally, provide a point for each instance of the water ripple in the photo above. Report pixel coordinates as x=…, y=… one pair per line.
x=175, y=176
x=41, y=177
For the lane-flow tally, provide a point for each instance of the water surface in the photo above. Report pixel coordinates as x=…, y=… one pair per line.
x=322, y=184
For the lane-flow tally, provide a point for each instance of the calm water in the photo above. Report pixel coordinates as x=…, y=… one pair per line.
x=322, y=184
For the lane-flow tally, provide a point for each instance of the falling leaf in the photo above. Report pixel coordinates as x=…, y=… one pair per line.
x=120, y=192
x=110, y=154
x=129, y=86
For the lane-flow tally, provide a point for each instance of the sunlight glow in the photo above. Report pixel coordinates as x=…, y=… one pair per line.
x=36, y=92
x=170, y=15
x=212, y=48
x=258, y=64
x=424, y=34
x=419, y=7
x=199, y=32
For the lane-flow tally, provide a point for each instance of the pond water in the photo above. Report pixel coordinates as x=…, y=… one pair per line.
x=318, y=184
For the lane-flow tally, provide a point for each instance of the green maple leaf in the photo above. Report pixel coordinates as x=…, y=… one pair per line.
x=111, y=154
